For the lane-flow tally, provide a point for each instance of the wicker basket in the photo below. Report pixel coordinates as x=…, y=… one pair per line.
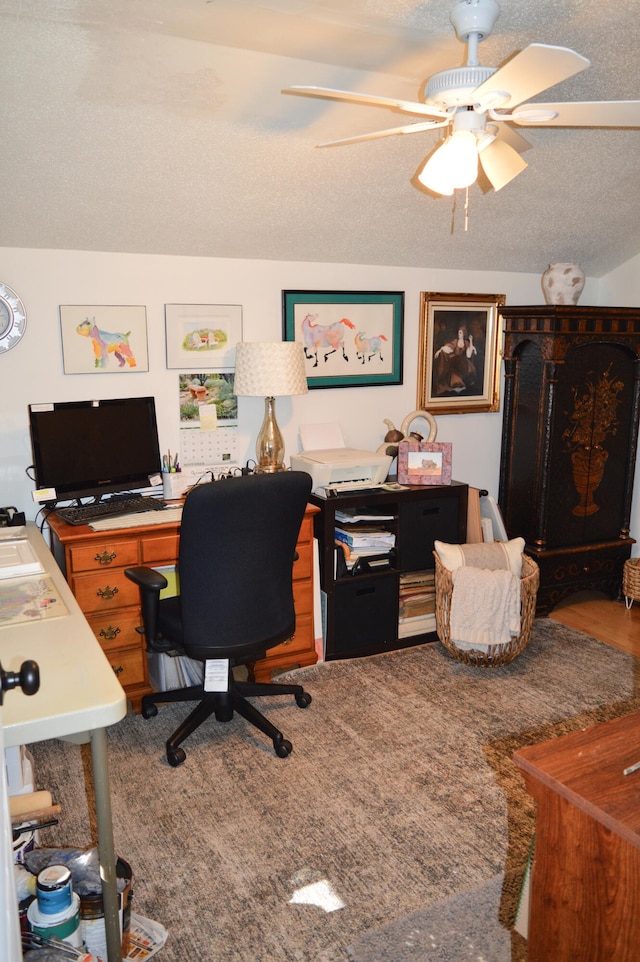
x=631, y=581
x=495, y=655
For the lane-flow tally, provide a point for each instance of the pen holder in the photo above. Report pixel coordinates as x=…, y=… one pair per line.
x=176, y=484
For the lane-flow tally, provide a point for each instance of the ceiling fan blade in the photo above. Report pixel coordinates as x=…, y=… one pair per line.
x=536, y=68
x=603, y=113
x=407, y=129
x=508, y=135
x=501, y=163
x=370, y=100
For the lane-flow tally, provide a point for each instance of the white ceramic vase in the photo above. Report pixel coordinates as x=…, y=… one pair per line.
x=563, y=283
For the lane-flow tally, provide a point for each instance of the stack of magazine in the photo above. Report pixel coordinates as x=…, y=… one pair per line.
x=363, y=541
x=417, y=603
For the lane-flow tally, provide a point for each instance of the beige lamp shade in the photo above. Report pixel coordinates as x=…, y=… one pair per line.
x=270, y=369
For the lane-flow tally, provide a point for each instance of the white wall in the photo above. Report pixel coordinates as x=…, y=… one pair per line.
x=33, y=371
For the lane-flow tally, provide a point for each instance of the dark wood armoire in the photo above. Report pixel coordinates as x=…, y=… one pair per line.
x=569, y=439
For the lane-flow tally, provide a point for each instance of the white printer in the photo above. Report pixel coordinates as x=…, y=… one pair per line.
x=339, y=470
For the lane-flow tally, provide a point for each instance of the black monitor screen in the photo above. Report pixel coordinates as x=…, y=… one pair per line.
x=87, y=448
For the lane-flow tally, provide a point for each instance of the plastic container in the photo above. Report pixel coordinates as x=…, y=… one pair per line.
x=23, y=844
x=53, y=889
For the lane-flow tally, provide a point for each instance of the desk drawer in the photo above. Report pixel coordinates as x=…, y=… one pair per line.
x=163, y=549
x=301, y=640
x=302, y=565
x=105, y=591
x=117, y=629
x=303, y=597
x=129, y=666
x=306, y=530
x=105, y=554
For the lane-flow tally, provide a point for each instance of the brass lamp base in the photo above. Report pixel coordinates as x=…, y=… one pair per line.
x=269, y=444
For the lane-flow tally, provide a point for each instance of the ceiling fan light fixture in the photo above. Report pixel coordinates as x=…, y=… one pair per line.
x=486, y=136
x=453, y=165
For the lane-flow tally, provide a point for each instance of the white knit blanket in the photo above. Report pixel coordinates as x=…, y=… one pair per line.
x=485, y=608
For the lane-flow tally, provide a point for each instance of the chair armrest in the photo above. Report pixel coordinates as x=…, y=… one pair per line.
x=148, y=579
x=151, y=583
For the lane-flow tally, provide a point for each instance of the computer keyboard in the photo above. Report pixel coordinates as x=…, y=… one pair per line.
x=114, y=507
x=168, y=516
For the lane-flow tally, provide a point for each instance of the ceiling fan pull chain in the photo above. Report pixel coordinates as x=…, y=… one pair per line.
x=466, y=209
x=453, y=212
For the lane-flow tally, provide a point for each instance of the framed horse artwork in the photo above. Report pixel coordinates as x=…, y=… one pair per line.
x=350, y=338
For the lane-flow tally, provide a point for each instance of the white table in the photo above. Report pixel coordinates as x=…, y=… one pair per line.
x=79, y=697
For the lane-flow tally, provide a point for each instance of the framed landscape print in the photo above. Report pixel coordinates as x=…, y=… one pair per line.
x=458, y=359
x=202, y=336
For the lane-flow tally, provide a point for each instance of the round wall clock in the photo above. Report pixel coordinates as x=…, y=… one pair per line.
x=13, y=318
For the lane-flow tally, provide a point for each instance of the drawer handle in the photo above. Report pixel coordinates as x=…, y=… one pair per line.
x=105, y=558
x=118, y=670
x=109, y=633
x=106, y=593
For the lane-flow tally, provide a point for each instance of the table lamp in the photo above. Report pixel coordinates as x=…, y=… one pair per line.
x=270, y=370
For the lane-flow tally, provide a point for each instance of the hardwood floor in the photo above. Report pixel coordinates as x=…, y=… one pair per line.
x=609, y=621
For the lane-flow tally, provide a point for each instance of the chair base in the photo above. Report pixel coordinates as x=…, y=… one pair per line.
x=223, y=705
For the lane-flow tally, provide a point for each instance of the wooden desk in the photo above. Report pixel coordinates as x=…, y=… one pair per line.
x=585, y=875
x=79, y=697
x=94, y=563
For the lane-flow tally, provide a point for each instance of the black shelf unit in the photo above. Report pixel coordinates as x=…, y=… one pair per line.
x=361, y=611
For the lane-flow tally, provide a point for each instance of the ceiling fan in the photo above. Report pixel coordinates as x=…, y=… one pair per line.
x=476, y=106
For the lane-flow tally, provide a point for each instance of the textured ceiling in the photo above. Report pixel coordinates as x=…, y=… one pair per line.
x=159, y=126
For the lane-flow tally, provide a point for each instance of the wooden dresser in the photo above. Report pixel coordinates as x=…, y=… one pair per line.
x=585, y=875
x=94, y=563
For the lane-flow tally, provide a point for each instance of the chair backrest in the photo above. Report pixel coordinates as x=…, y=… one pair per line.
x=237, y=548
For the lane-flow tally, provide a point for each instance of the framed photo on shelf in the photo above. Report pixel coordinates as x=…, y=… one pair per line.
x=103, y=339
x=420, y=462
x=202, y=336
x=350, y=338
x=458, y=357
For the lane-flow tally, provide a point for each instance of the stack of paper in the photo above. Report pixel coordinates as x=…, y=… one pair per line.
x=18, y=559
x=417, y=603
x=357, y=542
x=166, y=672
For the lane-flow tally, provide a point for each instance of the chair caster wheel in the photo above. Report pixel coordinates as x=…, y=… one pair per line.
x=176, y=756
x=149, y=711
x=303, y=700
x=283, y=748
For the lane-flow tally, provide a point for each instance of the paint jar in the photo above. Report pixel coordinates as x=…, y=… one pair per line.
x=56, y=909
x=92, y=914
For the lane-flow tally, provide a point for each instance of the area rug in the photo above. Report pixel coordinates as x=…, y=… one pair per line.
x=463, y=927
x=400, y=794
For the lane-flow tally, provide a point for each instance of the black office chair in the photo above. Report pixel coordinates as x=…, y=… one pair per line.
x=237, y=548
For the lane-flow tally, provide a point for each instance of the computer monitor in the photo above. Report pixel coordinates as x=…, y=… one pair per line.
x=90, y=448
